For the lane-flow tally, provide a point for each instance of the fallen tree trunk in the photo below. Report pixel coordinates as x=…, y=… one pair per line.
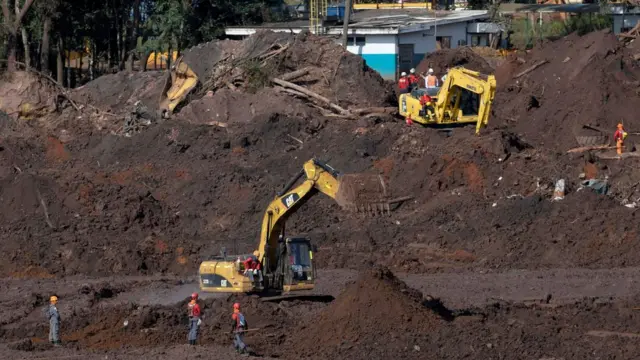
x=309, y=93
x=294, y=74
x=530, y=69
x=377, y=110
x=588, y=148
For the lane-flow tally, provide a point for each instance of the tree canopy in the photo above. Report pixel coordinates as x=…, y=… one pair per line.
x=115, y=32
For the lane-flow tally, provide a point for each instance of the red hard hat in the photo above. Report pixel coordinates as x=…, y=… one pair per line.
x=194, y=295
x=236, y=306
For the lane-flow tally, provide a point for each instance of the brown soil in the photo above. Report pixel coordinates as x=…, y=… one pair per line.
x=551, y=104
x=377, y=306
x=79, y=200
x=463, y=56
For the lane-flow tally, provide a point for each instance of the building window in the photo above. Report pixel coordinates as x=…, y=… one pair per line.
x=462, y=42
x=443, y=42
x=480, y=40
x=357, y=41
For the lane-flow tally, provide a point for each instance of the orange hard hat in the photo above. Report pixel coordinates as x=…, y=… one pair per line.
x=620, y=126
x=236, y=306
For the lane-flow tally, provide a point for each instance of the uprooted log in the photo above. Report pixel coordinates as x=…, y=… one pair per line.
x=530, y=69
x=294, y=74
x=589, y=148
x=310, y=93
x=375, y=110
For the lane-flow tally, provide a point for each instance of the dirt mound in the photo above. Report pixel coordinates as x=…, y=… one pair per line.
x=550, y=104
x=377, y=308
x=331, y=71
x=117, y=92
x=462, y=56
x=227, y=106
x=27, y=95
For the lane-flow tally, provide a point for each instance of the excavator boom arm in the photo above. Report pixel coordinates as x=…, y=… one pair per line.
x=472, y=81
x=318, y=177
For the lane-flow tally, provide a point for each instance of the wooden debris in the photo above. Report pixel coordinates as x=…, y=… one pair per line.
x=530, y=69
x=589, y=148
x=605, y=333
x=310, y=93
x=45, y=210
x=294, y=74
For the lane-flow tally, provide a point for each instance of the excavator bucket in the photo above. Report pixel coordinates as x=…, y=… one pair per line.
x=180, y=81
x=364, y=193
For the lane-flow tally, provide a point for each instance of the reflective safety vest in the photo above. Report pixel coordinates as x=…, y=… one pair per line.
x=431, y=81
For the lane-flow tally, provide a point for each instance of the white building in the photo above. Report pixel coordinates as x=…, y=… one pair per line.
x=392, y=41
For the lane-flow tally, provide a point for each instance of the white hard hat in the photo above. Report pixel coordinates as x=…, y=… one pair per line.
x=412, y=71
x=430, y=71
x=403, y=74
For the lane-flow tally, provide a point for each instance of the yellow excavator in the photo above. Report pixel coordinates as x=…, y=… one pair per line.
x=287, y=262
x=465, y=97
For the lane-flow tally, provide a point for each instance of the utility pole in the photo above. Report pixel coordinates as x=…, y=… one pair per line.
x=345, y=26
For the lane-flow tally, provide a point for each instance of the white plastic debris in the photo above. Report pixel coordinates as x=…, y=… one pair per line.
x=558, y=193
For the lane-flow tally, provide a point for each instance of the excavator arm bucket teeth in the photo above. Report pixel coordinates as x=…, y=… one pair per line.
x=363, y=193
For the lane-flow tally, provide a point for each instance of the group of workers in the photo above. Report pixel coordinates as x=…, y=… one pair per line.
x=238, y=328
x=408, y=83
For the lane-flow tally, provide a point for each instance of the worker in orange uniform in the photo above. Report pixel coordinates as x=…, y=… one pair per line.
x=619, y=137
x=413, y=80
x=403, y=83
x=238, y=328
x=193, y=310
x=430, y=80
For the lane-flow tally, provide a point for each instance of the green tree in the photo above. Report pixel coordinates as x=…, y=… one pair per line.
x=11, y=23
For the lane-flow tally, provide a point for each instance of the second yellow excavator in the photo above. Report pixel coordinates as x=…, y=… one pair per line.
x=464, y=97
x=287, y=262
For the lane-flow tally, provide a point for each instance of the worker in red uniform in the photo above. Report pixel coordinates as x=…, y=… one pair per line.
x=252, y=267
x=238, y=328
x=403, y=83
x=425, y=101
x=413, y=80
x=619, y=137
x=193, y=310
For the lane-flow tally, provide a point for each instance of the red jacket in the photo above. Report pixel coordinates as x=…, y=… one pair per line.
x=403, y=83
x=250, y=264
x=618, y=135
x=424, y=99
x=413, y=79
x=194, y=309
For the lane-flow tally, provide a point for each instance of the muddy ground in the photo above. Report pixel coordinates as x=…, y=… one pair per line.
x=116, y=226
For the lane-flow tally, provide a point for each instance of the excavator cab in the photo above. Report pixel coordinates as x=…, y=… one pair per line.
x=299, y=272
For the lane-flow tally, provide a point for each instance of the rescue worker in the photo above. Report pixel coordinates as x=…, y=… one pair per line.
x=619, y=137
x=238, y=328
x=425, y=101
x=430, y=81
x=403, y=83
x=252, y=267
x=444, y=77
x=413, y=80
x=193, y=311
x=54, y=321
